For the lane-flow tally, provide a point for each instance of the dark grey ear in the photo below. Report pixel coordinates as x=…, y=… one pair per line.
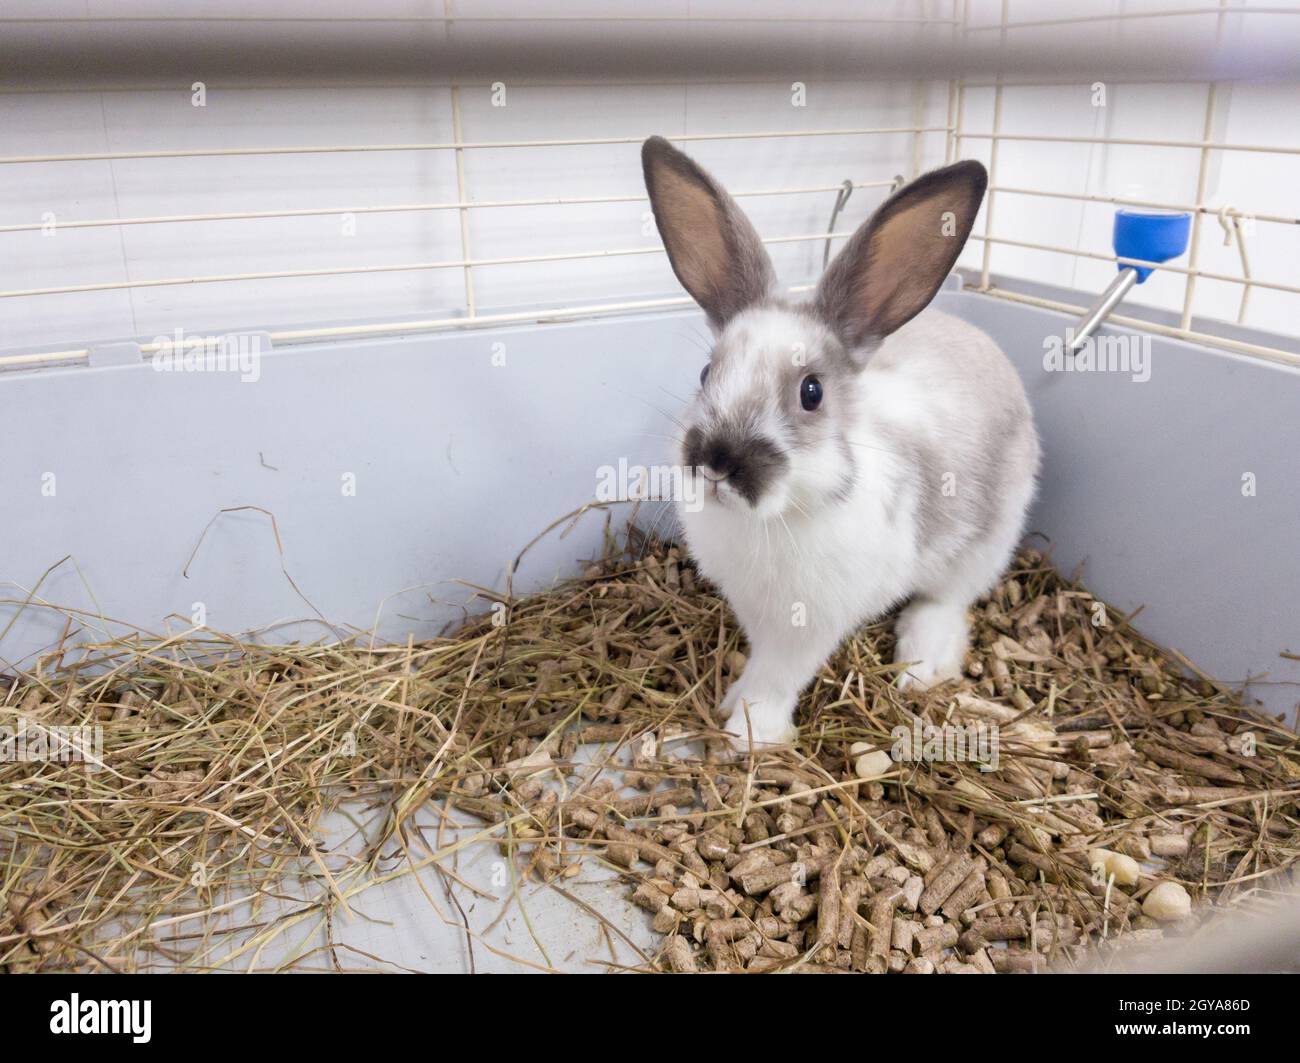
x=894, y=264
x=711, y=245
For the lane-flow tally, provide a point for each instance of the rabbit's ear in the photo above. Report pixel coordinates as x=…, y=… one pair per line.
x=894, y=264
x=711, y=245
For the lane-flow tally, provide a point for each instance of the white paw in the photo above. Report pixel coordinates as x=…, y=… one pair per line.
x=932, y=639
x=763, y=734
x=921, y=676
x=762, y=719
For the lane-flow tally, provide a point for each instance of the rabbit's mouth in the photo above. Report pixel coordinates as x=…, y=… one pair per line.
x=721, y=491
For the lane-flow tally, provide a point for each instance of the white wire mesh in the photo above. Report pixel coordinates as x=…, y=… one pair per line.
x=503, y=250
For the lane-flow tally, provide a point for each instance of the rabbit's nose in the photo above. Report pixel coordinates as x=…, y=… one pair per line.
x=719, y=459
x=748, y=463
x=701, y=452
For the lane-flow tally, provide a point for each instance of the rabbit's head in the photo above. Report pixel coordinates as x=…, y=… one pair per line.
x=769, y=428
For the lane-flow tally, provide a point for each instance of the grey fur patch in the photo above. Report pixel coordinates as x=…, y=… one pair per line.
x=981, y=469
x=834, y=418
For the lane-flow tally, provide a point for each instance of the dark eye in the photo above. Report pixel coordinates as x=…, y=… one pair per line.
x=704, y=374
x=810, y=393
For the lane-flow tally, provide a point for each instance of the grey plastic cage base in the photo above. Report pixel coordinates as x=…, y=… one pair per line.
x=459, y=461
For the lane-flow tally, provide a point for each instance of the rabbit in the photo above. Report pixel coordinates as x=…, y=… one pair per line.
x=852, y=452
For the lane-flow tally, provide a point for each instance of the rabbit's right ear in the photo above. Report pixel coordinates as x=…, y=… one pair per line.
x=895, y=263
x=711, y=245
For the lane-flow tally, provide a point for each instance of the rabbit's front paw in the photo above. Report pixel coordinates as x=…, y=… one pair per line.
x=932, y=639
x=764, y=719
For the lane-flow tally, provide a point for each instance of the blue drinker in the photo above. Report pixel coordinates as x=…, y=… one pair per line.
x=1148, y=236
x=1151, y=237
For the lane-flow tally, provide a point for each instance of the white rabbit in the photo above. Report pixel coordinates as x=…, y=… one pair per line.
x=854, y=454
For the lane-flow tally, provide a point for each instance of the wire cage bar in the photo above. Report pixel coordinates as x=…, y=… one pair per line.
x=955, y=130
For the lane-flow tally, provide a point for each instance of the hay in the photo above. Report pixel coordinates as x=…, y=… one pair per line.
x=576, y=727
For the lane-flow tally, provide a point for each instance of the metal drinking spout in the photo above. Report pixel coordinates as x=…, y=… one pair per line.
x=1147, y=237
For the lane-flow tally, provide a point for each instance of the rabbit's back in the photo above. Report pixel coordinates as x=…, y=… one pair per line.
x=944, y=397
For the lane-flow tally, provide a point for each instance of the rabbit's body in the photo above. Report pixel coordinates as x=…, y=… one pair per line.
x=853, y=451
x=938, y=404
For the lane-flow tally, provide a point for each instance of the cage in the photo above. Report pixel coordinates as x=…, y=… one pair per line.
x=418, y=243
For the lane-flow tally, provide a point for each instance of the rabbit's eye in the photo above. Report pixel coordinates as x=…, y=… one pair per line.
x=704, y=374
x=810, y=393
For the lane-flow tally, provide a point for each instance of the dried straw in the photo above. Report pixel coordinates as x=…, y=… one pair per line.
x=196, y=844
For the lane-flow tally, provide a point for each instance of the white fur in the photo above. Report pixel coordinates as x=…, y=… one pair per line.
x=835, y=563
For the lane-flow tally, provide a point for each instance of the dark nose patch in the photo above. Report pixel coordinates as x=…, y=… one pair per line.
x=750, y=463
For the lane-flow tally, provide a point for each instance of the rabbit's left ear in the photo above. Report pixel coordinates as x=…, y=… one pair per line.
x=894, y=264
x=711, y=245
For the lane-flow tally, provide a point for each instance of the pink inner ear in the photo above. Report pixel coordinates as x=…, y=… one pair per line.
x=691, y=224
x=894, y=264
x=910, y=254
x=878, y=290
